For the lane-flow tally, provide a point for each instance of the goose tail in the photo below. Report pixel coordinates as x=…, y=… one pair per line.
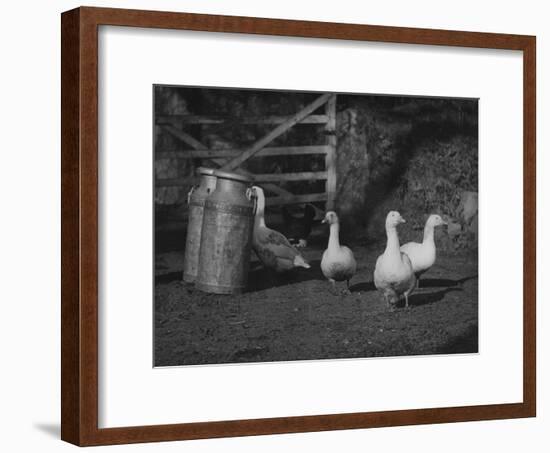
x=299, y=261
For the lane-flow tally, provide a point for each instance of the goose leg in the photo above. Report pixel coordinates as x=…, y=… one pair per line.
x=346, y=292
x=388, y=302
x=333, y=286
x=273, y=279
x=407, y=302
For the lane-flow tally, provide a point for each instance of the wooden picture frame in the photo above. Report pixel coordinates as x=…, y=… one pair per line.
x=79, y=314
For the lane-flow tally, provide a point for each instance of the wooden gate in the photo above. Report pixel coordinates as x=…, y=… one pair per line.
x=233, y=159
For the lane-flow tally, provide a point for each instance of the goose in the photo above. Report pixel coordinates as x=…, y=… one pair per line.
x=297, y=228
x=338, y=263
x=393, y=275
x=423, y=254
x=273, y=249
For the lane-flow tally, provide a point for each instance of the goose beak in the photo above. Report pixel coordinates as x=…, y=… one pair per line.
x=324, y=221
x=402, y=220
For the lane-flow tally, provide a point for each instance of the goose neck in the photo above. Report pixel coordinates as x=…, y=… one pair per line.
x=259, y=219
x=428, y=234
x=393, y=240
x=334, y=237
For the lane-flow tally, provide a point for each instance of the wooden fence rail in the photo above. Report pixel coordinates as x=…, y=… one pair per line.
x=266, y=177
x=232, y=159
x=279, y=130
x=267, y=151
x=294, y=199
x=301, y=176
x=178, y=120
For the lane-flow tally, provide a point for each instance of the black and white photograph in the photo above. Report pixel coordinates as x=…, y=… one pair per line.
x=296, y=225
x=275, y=226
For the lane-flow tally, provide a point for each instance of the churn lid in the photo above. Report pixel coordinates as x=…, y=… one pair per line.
x=205, y=171
x=234, y=176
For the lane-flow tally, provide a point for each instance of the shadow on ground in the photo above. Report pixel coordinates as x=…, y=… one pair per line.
x=440, y=282
x=261, y=278
x=424, y=298
x=465, y=343
x=362, y=287
x=425, y=283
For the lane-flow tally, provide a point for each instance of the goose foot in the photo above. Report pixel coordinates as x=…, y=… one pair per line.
x=302, y=243
x=407, y=306
x=346, y=291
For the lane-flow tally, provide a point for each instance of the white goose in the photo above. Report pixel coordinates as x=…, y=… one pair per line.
x=393, y=275
x=423, y=254
x=273, y=248
x=338, y=263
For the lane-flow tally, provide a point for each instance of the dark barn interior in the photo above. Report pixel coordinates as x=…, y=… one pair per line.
x=360, y=155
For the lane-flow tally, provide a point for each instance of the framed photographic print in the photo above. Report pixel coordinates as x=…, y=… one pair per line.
x=275, y=226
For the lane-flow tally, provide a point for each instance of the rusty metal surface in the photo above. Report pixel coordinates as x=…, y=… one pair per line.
x=226, y=238
x=197, y=198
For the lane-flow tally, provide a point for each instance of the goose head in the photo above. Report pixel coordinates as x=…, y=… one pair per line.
x=393, y=219
x=330, y=218
x=257, y=194
x=435, y=220
x=256, y=191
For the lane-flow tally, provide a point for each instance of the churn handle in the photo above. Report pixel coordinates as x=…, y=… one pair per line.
x=250, y=196
x=190, y=193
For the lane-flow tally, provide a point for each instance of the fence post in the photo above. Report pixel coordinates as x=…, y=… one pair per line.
x=330, y=157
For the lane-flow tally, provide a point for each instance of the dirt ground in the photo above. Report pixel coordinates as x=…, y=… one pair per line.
x=296, y=317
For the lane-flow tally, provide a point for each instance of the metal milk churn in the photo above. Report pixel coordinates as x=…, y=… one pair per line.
x=226, y=236
x=196, y=199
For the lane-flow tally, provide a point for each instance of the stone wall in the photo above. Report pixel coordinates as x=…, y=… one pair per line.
x=418, y=157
